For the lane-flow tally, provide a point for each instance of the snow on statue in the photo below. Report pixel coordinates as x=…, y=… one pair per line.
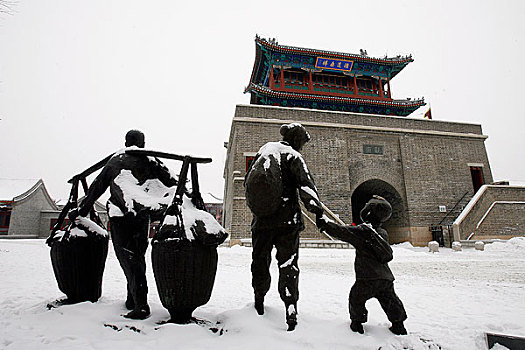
x=275, y=176
x=140, y=187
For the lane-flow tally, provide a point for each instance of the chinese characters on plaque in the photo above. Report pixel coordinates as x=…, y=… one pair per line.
x=330, y=63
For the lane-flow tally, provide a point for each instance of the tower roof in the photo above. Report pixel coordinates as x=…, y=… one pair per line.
x=363, y=57
x=409, y=103
x=345, y=104
x=385, y=67
x=301, y=77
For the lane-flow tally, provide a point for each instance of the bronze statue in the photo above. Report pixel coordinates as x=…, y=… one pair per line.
x=275, y=180
x=374, y=279
x=134, y=181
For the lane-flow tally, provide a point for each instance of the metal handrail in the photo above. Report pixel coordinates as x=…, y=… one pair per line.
x=452, y=210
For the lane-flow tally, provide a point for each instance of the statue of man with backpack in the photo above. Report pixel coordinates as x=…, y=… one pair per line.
x=276, y=179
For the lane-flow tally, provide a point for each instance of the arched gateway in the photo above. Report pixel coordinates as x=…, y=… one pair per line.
x=367, y=189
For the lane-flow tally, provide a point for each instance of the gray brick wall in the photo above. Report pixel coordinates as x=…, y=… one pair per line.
x=25, y=215
x=495, y=212
x=425, y=163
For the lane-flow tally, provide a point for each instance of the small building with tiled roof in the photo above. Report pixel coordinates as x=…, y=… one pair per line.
x=290, y=76
x=28, y=211
x=22, y=202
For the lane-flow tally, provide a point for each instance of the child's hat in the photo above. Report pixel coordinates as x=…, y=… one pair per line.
x=376, y=209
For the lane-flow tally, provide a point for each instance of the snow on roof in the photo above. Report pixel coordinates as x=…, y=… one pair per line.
x=11, y=188
x=209, y=198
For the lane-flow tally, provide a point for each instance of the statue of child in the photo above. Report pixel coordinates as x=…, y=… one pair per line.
x=374, y=279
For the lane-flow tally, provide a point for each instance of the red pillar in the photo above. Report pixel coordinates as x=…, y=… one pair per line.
x=281, y=85
x=388, y=83
x=381, y=92
x=310, y=81
x=272, y=79
x=356, y=92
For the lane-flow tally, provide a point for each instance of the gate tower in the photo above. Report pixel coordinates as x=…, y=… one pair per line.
x=363, y=141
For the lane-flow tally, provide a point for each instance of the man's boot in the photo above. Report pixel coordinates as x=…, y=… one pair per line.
x=398, y=328
x=291, y=317
x=259, y=305
x=139, y=313
x=357, y=327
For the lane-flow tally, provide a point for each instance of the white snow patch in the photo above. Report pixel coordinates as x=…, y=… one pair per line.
x=267, y=163
x=498, y=346
x=516, y=244
x=275, y=149
x=170, y=220
x=310, y=192
x=91, y=226
x=79, y=231
x=151, y=194
x=287, y=262
x=433, y=247
x=74, y=232
x=326, y=218
x=59, y=234
x=190, y=216
x=406, y=245
x=483, y=292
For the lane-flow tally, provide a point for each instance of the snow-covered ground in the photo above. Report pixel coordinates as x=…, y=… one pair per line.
x=451, y=298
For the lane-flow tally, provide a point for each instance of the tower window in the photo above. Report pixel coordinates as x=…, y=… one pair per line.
x=249, y=161
x=477, y=177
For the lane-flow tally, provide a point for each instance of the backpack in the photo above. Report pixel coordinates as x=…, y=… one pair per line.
x=264, y=186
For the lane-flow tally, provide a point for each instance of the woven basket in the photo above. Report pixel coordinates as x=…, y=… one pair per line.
x=184, y=272
x=78, y=264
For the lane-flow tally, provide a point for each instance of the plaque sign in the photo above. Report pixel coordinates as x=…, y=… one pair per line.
x=333, y=64
x=372, y=149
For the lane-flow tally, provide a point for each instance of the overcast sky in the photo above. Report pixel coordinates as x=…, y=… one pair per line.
x=76, y=75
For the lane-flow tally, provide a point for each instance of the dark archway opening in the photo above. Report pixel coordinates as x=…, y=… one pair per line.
x=364, y=192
